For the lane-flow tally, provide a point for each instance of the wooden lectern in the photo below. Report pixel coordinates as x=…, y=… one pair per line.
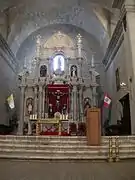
x=93, y=126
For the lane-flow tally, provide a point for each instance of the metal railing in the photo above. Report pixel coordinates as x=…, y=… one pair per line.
x=113, y=151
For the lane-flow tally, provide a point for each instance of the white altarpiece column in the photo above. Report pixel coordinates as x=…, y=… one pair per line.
x=40, y=101
x=81, y=104
x=74, y=102
x=21, y=120
x=35, y=100
x=43, y=103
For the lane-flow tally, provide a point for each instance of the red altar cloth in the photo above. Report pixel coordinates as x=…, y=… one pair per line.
x=64, y=97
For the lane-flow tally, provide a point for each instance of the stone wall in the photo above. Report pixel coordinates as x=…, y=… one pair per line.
x=114, y=60
x=119, y=62
x=8, y=79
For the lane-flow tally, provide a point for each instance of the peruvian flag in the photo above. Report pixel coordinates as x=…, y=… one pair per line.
x=107, y=101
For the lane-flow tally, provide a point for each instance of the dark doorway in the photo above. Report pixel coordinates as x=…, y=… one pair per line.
x=126, y=120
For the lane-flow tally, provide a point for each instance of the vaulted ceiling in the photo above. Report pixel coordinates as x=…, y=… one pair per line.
x=8, y=3
x=24, y=17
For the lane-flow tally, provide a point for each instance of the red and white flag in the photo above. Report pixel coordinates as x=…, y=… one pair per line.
x=107, y=101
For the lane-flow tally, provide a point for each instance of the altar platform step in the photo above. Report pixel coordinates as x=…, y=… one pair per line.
x=62, y=148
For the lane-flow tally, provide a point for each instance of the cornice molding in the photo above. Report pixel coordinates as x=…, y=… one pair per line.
x=7, y=54
x=118, y=33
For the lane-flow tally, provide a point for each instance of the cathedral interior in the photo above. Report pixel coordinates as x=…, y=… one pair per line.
x=61, y=59
x=67, y=88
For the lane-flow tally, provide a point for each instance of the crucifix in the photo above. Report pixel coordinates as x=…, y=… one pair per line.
x=58, y=95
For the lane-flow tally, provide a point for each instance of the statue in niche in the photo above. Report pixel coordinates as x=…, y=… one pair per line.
x=43, y=71
x=73, y=71
x=29, y=106
x=58, y=64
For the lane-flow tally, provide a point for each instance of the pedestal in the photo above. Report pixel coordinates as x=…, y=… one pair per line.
x=93, y=126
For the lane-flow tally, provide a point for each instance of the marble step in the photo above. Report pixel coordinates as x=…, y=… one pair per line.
x=44, y=157
x=50, y=147
x=54, y=154
x=71, y=138
x=59, y=142
x=43, y=137
x=125, y=147
x=65, y=146
x=104, y=139
x=36, y=148
x=43, y=142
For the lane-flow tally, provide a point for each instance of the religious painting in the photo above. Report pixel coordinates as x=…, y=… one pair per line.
x=117, y=75
x=29, y=106
x=58, y=64
x=43, y=71
x=73, y=71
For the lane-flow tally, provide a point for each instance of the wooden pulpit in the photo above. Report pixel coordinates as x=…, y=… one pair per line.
x=93, y=126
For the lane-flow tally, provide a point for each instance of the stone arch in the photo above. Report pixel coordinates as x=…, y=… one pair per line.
x=59, y=40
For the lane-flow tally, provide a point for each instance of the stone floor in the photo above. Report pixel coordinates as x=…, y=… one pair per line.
x=40, y=170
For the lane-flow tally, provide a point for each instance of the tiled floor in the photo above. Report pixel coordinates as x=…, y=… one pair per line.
x=40, y=170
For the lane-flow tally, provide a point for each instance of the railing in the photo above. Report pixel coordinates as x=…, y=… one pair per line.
x=113, y=151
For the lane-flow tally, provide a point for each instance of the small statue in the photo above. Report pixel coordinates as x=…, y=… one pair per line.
x=57, y=104
x=50, y=111
x=30, y=108
x=64, y=110
x=87, y=106
x=73, y=71
x=29, y=105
